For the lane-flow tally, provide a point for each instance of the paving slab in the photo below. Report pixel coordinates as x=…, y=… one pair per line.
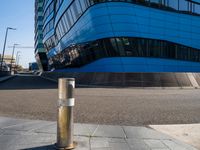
x=83, y=143
x=84, y=129
x=109, y=131
x=188, y=133
x=50, y=129
x=155, y=144
x=173, y=145
x=41, y=135
x=143, y=133
x=7, y=122
x=137, y=143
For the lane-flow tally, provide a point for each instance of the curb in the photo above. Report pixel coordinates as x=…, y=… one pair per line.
x=147, y=88
x=50, y=79
x=2, y=79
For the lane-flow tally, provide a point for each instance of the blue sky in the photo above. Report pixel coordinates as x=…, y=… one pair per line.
x=18, y=14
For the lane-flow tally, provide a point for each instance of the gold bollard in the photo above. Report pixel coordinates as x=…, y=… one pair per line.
x=65, y=122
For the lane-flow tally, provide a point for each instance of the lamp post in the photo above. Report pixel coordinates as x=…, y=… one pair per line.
x=17, y=61
x=17, y=58
x=8, y=28
x=12, y=57
x=17, y=65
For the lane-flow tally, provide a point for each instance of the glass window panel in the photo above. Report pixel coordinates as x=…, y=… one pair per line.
x=197, y=9
x=120, y=46
x=78, y=8
x=72, y=14
x=69, y=16
x=173, y=4
x=155, y=1
x=66, y=21
x=87, y=3
x=183, y=5
x=128, y=47
x=83, y=5
x=64, y=25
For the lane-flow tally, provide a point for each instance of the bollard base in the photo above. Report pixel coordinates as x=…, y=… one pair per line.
x=66, y=148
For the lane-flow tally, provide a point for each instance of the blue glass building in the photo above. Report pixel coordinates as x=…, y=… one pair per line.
x=122, y=35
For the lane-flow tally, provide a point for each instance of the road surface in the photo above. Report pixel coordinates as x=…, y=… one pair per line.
x=33, y=97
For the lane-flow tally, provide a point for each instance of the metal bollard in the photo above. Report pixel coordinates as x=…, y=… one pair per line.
x=65, y=122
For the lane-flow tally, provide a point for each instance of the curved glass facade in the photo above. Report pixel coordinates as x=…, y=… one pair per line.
x=78, y=7
x=80, y=32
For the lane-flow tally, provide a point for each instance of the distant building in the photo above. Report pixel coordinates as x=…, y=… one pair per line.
x=40, y=53
x=118, y=35
x=7, y=62
x=8, y=58
x=5, y=67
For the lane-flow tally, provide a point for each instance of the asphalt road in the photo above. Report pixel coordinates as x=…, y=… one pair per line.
x=32, y=97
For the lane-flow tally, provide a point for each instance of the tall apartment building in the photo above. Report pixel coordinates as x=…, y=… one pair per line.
x=40, y=53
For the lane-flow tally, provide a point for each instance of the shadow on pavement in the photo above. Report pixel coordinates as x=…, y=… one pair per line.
x=48, y=147
x=26, y=82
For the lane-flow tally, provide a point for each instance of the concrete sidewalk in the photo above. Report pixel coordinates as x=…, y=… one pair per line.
x=41, y=135
x=188, y=133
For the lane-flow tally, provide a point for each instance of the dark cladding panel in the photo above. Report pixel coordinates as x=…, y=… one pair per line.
x=151, y=80
x=168, y=80
x=133, y=79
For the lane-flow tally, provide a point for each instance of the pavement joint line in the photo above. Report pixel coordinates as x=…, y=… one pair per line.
x=90, y=145
x=23, y=133
x=90, y=136
x=33, y=130
x=24, y=123
x=49, y=124
x=14, y=126
x=129, y=146
x=124, y=132
x=166, y=144
x=26, y=131
x=46, y=133
x=95, y=131
x=147, y=145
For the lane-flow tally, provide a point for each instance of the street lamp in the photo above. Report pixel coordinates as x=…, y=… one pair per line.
x=8, y=28
x=17, y=65
x=17, y=59
x=12, y=56
x=17, y=56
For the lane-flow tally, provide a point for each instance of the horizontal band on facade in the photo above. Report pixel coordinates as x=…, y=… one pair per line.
x=82, y=54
